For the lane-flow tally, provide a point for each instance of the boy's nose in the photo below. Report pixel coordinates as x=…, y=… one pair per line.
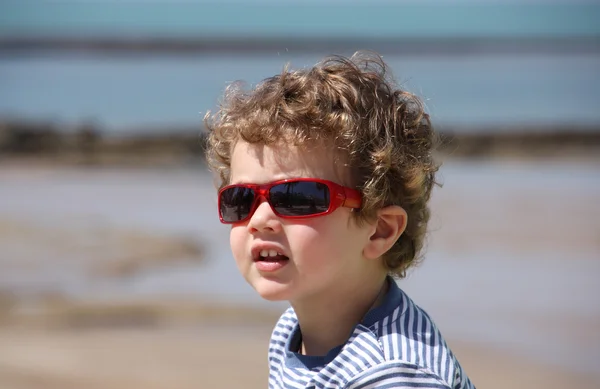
x=264, y=219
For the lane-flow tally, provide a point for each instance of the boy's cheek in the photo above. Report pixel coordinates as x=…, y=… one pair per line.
x=237, y=241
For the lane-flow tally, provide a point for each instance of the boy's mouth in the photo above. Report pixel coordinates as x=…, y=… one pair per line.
x=269, y=258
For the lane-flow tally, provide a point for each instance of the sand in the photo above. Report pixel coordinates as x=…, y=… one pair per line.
x=119, y=227
x=205, y=356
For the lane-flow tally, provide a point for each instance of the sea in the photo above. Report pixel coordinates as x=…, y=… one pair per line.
x=470, y=89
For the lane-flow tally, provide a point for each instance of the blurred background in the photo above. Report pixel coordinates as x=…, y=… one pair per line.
x=114, y=269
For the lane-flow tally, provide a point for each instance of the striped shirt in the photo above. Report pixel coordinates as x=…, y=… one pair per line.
x=396, y=345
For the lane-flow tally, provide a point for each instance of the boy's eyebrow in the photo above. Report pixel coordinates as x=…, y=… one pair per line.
x=237, y=182
x=243, y=180
x=272, y=179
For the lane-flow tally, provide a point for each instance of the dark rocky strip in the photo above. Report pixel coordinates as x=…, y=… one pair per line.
x=89, y=144
x=11, y=46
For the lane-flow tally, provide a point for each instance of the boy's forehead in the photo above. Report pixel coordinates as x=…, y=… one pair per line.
x=252, y=162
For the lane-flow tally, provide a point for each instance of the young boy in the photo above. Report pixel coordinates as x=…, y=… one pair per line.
x=325, y=178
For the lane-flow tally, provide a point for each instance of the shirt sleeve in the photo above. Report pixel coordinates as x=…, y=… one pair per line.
x=397, y=375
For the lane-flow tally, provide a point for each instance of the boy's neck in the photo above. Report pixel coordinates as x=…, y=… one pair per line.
x=329, y=322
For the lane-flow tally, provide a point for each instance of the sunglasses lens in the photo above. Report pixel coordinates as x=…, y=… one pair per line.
x=300, y=198
x=236, y=203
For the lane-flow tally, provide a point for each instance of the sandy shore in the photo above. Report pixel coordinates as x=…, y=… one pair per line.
x=206, y=356
x=104, y=273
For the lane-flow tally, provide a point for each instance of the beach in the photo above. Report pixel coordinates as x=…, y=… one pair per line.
x=119, y=277
x=230, y=356
x=115, y=271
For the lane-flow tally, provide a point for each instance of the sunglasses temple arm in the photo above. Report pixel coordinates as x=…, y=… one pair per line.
x=352, y=200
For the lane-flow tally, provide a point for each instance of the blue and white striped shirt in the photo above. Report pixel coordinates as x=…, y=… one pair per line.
x=397, y=345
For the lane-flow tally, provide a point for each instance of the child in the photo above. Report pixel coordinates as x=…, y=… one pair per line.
x=325, y=178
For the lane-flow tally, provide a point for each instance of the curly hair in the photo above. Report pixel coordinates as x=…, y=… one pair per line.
x=352, y=104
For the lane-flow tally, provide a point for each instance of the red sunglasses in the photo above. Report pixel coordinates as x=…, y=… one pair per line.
x=294, y=198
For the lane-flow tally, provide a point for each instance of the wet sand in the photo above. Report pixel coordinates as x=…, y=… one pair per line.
x=514, y=246
x=225, y=356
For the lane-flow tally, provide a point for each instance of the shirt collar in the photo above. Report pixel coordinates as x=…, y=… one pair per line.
x=391, y=301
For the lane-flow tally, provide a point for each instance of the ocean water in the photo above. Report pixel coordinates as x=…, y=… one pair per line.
x=149, y=92
x=145, y=92
x=311, y=19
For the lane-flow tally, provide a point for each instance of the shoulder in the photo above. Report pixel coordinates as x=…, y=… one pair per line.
x=413, y=346
x=397, y=374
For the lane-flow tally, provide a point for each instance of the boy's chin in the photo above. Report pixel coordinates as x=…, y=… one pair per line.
x=271, y=291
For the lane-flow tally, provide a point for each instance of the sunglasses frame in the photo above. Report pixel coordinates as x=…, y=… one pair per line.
x=339, y=196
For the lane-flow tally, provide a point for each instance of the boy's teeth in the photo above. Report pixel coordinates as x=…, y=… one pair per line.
x=268, y=253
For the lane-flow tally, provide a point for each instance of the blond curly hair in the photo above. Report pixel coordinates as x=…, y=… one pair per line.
x=352, y=104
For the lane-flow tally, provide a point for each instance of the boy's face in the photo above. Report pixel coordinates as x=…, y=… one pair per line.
x=323, y=253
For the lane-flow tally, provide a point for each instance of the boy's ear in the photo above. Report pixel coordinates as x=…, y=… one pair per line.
x=390, y=224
